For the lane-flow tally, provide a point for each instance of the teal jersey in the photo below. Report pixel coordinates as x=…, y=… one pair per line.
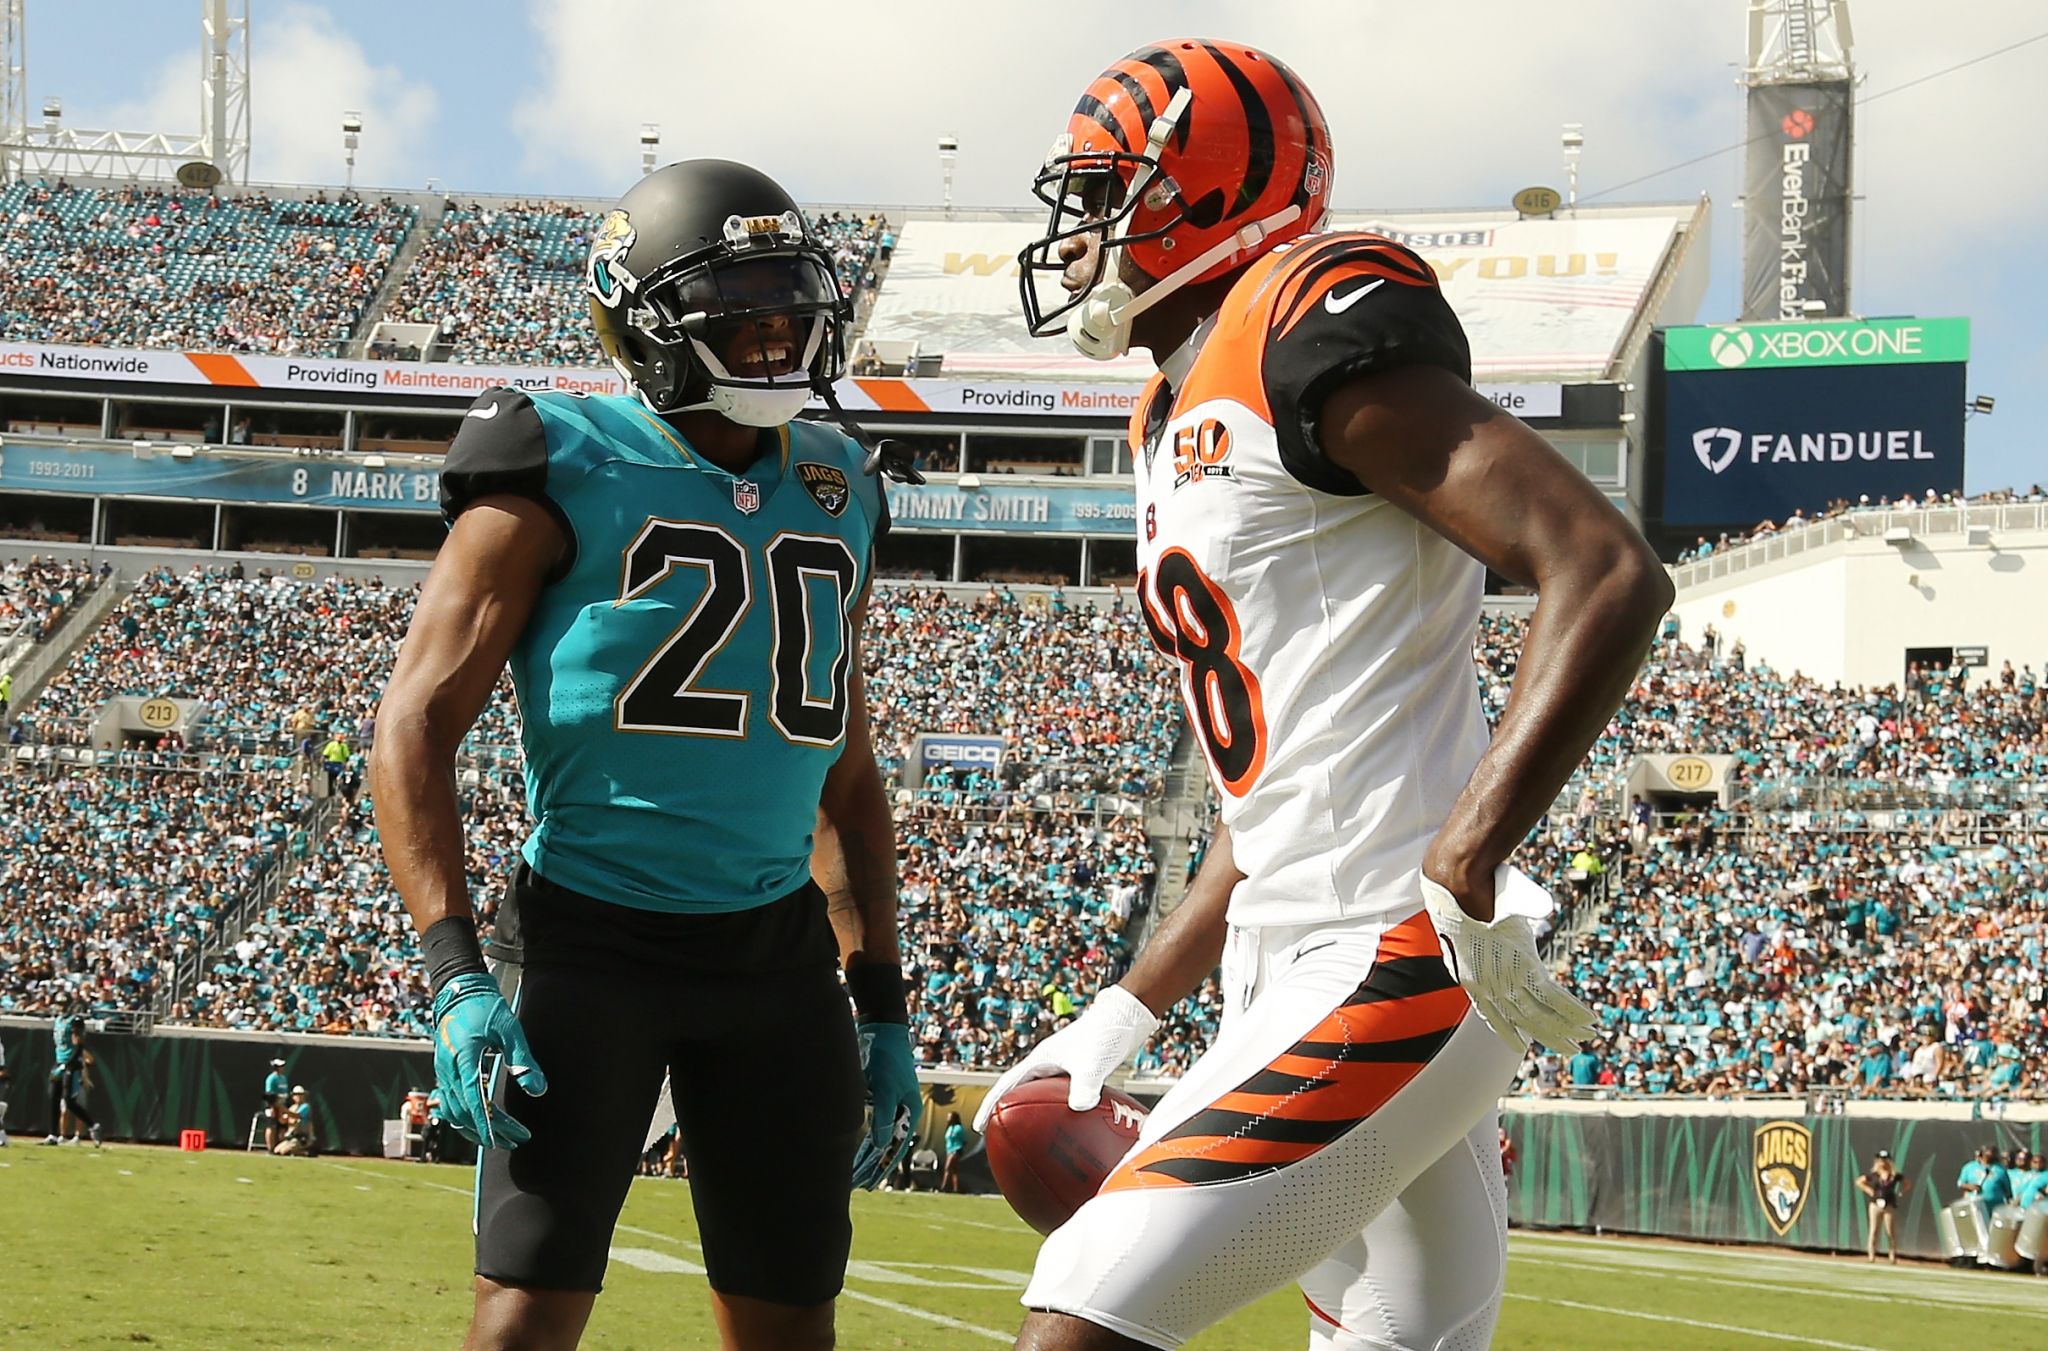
x=275, y=1085
x=684, y=678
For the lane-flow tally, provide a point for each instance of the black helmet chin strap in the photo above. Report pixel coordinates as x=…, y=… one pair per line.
x=892, y=458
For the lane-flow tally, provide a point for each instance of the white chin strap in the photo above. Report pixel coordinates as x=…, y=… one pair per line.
x=756, y=405
x=1100, y=326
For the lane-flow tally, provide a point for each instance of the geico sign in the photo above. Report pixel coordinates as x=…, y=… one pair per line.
x=962, y=752
x=1717, y=447
x=1816, y=344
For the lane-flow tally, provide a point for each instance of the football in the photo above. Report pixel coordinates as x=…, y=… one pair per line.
x=1047, y=1159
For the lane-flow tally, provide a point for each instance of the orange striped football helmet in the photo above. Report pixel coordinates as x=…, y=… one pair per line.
x=1194, y=157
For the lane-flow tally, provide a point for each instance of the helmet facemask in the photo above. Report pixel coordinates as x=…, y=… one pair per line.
x=1099, y=192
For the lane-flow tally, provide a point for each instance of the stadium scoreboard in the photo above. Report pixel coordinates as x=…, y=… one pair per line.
x=1761, y=420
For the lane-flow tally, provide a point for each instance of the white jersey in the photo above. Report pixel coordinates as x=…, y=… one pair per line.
x=1324, y=635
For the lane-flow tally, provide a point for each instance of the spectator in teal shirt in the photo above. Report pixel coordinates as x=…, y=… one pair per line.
x=1585, y=1068
x=1876, y=1066
x=1996, y=1189
x=276, y=1090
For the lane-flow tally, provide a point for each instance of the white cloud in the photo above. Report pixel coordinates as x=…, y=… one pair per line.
x=1442, y=103
x=307, y=73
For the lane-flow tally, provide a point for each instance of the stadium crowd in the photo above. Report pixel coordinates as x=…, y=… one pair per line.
x=36, y=593
x=1702, y=547
x=505, y=283
x=1878, y=949
x=1074, y=690
x=108, y=875
x=140, y=267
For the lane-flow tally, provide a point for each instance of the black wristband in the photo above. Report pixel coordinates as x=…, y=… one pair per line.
x=450, y=949
x=878, y=992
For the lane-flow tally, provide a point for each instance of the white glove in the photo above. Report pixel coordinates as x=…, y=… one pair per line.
x=1498, y=966
x=1088, y=1050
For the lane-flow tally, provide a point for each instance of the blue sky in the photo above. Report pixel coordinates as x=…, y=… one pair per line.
x=1454, y=103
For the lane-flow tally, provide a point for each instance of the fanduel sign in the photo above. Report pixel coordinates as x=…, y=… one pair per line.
x=1746, y=445
x=1838, y=342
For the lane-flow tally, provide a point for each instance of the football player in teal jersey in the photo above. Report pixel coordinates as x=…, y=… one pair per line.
x=677, y=579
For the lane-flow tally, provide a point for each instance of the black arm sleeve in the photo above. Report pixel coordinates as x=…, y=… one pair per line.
x=502, y=448
x=1354, y=307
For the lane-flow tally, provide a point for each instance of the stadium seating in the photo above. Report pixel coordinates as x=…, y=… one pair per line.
x=334, y=951
x=505, y=284
x=138, y=267
x=1074, y=690
x=108, y=872
x=1853, y=891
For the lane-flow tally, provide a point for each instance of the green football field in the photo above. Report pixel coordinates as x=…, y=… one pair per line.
x=140, y=1246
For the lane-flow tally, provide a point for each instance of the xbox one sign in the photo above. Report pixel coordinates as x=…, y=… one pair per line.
x=1732, y=346
x=1844, y=342
x=1760, y=420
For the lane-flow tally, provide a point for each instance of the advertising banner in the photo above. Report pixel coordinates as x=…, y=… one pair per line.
x=1789, y=1180
x=1827, y=342
x=1102, y=508
x=1548, y=298
x=1763, y=420
x=1089, y=395
x=1796, y=190
x=934, y=749
x=246, y=371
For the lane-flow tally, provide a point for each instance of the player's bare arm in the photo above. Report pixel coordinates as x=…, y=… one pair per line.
x=1189, y=944
x=854, y=858
x=472, y=608
x=1427, y=442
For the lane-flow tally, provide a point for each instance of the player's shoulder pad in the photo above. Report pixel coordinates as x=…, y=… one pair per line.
x=837, y=472
x=1337, y=306
x=502, y=448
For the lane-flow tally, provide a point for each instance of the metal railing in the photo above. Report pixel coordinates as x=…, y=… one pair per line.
x=1859, y=523
x=234, y=920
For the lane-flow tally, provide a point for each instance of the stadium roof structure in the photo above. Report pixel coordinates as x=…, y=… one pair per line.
x=1569, y=298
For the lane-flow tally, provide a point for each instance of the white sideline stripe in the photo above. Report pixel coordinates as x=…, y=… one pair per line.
x=1790, y=1287
x=907, y=1310
x=1694, y=1323
x=1641, y=1253
x=646, y=1259
x=912, y=1311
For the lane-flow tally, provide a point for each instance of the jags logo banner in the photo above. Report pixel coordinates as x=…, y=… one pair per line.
x=1781, y=1166
x=826, y=484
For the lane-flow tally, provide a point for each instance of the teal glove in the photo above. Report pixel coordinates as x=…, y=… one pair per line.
x=472, y=1020
x=893, y=1095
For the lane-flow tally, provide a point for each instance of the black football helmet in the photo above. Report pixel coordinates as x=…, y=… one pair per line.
x=695, y=249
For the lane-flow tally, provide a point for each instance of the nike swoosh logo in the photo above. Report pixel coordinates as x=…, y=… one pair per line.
x=1337, y=304
x=487, y=412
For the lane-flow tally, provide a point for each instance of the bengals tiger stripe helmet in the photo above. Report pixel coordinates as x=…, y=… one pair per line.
x=1194, y=157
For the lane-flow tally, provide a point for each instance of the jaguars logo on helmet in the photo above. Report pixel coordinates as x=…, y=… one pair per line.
x=608, y=271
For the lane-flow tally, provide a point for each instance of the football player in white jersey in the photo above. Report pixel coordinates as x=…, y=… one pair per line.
x=1320, y=492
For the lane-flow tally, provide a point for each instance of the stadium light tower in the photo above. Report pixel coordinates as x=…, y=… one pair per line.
x=219, y=152
x=1574, y=142
x=650, y=146
x=949, y=151
x=351, y=137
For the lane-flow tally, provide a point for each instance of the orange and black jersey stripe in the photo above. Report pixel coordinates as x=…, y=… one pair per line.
x=1343, y=1070
x=1305, y=319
